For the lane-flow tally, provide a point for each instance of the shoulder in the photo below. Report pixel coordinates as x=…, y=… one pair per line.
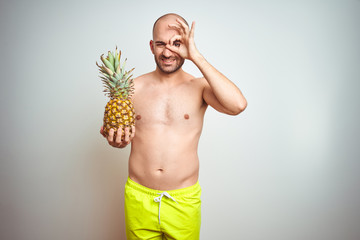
x=198, y=85
x=200, y=81
x=142, y=79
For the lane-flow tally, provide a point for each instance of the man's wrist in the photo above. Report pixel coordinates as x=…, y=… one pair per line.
x=197, y=59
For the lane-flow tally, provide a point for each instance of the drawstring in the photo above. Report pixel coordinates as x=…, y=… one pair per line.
x=158, y=199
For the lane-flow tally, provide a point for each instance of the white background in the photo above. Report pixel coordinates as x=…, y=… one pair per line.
x=287, y=168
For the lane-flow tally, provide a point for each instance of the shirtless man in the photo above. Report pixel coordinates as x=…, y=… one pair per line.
x=170, y=105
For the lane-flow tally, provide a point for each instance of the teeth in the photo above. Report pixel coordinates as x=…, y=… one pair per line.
x=168, y=61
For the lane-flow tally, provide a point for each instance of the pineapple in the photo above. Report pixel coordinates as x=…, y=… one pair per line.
x=119, y=86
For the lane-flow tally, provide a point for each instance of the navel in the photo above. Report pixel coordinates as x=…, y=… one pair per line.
x=186, y=116
x=138, y=117
x=160, y=171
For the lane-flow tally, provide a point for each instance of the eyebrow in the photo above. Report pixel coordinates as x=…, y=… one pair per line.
x=161, y=42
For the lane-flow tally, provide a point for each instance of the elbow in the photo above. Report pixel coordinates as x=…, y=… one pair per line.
x=240, y=107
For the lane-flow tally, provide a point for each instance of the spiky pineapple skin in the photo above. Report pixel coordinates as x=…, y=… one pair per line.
x=119, y=114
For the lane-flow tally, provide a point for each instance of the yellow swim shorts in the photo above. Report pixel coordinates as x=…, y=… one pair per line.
x=155, y=214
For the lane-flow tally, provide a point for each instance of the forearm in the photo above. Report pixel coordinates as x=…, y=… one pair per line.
x=226, y=92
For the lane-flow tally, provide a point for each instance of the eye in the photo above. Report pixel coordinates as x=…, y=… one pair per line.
x=159, y=44
x=176, y=43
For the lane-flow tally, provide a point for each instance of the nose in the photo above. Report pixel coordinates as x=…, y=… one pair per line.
x=167, y=52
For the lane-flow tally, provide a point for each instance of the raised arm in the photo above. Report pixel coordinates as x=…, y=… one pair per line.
x=219, y=92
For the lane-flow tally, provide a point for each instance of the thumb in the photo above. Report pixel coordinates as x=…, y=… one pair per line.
x=175, y=43
x=172, y=48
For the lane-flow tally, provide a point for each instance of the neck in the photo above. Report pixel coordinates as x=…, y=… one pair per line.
x=169, y=77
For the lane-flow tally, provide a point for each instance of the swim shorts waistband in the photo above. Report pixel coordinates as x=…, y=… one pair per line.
x=177, y=192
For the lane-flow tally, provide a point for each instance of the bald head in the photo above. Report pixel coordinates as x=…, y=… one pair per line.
x=168, y=16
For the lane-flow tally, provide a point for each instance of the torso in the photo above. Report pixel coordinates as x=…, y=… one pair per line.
x=168, y=127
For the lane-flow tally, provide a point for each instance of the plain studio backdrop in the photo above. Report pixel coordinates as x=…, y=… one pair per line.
x=287, y=168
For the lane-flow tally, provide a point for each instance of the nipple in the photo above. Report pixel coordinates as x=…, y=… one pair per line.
x=138, y=117
x=186, y=116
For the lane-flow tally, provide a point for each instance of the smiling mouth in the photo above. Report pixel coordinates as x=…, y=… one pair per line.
x=168, y=61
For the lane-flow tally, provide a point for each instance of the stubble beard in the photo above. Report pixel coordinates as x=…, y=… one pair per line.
x=178, y=61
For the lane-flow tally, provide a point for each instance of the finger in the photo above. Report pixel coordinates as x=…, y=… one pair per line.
x=132, y=132
x=175, y=41
x=174, y=38
x=118, y=136
x=176, y=27
x=183, y=25
x=102, y=131
x=192, y=29
x=110, y=137
x=172, y=47
x=127, y=140
x=122, y=145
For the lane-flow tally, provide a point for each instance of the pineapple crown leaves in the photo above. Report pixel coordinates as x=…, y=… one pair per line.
x=117, y=82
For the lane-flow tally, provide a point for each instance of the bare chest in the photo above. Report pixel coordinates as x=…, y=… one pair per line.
x=168, y=106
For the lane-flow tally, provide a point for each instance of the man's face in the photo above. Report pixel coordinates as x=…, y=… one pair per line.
x=166, y=60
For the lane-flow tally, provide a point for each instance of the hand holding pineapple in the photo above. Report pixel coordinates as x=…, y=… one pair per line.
x=115, y=139
x=119, y=116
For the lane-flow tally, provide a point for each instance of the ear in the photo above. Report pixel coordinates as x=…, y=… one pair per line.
x=152, y=46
